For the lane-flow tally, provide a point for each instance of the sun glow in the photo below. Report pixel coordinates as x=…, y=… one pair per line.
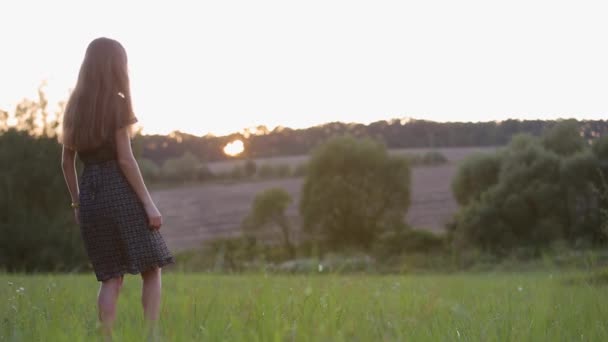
x=234, y=148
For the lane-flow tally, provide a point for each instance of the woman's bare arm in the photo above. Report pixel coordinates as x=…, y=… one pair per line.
x=130, y=169
x=68, y=165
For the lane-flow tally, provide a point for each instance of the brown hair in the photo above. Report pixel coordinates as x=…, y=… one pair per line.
x=101, y=100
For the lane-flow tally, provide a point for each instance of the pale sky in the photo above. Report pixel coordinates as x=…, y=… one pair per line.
x=220, y=66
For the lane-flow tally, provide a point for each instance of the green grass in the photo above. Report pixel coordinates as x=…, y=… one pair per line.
x=198, y=307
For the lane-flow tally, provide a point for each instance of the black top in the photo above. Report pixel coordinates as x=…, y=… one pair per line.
x=106, y=151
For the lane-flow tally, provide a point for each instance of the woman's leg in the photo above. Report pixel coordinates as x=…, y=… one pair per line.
x=150, y=294
x=106, y=302
x=150, y=300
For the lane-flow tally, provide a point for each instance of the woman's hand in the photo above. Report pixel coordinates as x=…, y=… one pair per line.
x=155, y=220
x=130, y=169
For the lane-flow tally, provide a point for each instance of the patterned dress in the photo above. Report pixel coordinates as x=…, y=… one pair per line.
x=113, y=222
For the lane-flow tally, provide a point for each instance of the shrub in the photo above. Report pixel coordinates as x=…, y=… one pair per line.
x=564, y=138
x=183, y=169
x=353, y=192
x=38, y=232
x=149, y=170
x=475, y=176
x=532, y=193
x=269, y=210
x=396, y=243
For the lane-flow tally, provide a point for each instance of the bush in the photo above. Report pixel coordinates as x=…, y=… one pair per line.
x=269, y=210
x=408, y=241
x=37, y=224
x=353, y=192
x=232, y=254
x=532, y=193
x=183, y=169
x=564, y=138
x=149, y=170
x=475, y=176
x=226, y=254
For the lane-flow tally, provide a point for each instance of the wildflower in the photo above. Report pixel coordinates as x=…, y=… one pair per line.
x=519, y=288
x=320, y=268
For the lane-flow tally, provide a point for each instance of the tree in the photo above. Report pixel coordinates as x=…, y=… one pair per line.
x=32, y=116
x=564, y=138
x=581, y=177
x=539, y=190
x=600, y=151
x=353, y=192
x=525, y=209
x=37, y=225
x=3, y=121
x=269, y=209
x=476, y=175
x=38, y=230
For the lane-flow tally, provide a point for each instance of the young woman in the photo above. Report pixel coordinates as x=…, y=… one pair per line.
x=118, y=220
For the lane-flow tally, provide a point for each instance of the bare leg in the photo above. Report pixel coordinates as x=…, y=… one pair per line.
x=106, y=302
x=150, y=297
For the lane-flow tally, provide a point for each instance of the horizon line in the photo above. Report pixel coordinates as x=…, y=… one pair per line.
x=252, y=131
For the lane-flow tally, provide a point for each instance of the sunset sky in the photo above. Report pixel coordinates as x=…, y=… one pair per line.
x=217, y=67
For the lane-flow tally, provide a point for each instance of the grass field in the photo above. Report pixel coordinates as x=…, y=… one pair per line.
x=486, y=307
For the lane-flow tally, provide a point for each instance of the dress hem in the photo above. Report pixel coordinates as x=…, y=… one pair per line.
x=136, y=270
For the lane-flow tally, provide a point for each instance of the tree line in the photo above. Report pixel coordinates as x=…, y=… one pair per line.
x=395, y=133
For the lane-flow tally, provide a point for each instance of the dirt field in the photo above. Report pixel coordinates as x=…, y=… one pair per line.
x=193, y=214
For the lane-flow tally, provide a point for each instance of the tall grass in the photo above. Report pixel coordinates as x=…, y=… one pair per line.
x=198, y=307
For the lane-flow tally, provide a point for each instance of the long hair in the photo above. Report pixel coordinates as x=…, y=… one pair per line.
x=101, y=101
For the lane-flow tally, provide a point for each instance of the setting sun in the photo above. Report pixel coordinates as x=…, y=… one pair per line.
x=234, y=148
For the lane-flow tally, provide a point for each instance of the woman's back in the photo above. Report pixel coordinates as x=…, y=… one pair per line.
x=106, y=151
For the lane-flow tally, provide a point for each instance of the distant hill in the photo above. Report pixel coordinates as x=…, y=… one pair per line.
x=395, y=133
